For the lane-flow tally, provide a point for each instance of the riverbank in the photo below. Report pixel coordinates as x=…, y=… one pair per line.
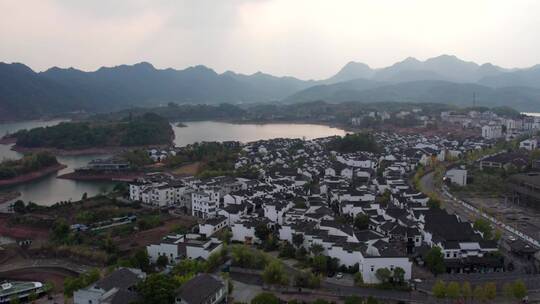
x=103, y=176
x=82, y=152
x=28, y=177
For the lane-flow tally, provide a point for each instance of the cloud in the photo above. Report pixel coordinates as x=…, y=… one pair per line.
x=306, y=38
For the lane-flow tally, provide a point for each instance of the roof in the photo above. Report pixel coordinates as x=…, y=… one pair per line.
x=122, y=278
x=199, y=289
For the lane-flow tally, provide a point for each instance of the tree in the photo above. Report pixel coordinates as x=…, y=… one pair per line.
x=320, y=264
x=84, y=196
x=275, y=274
x=286, y=250
x=298, y=239
x=519, y=290
x=262, y=232
x=157, y=289
x=435, y=260
x=372, y=300
x=358, y=278
x=479, y=293
x=306, y=279
x=490, y=290
x=434, y=203
x=162, y=261
x=265, y=298
x=353, y=300
x=399, y=275
x=484, y=227
x=439, y=289
x=361, y=221
x=226, y=236
x=466, y=290
x=60, y=231
x=140, y=259
x=19, y=207
x=453, y=291
x=316, y=249
x=383, y=275
x=32, y=296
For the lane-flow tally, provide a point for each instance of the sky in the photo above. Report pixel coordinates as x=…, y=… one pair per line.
x=309, y=39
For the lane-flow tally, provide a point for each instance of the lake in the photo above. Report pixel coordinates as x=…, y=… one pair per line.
x=49, y=190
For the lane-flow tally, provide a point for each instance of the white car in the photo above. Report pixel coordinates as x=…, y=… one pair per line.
x=339, y=275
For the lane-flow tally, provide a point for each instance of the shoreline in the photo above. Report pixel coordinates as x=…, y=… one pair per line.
x=28, y=177
x=81, y=152
x=105, y=176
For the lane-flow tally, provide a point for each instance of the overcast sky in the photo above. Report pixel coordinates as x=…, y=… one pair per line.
x=302, y=38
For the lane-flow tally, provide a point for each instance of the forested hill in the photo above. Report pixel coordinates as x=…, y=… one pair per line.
x=143, y=130
x=26, y=94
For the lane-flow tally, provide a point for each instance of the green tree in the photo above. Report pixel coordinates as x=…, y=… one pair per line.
x=157, y=289
x=434, y=203
x=262, y=232
x=383, y=275
x=435, y=260
x=484, y=227
x=320, y=264
x=466, y=290
x=275, y=274
x=519, y=290
x=14, y=300
x=60, y=231
x=479, y=293
x=298, y=239
x=19, y=207
x=140, y=259
x=286, y=250
x=490, y=290
x=439, y=289
x=265, y=298
x=316, y=249
x=162, y=261
x=453, y=290
x=399, y=275
x=361, y=221
x=353, y=300
x=358, y=279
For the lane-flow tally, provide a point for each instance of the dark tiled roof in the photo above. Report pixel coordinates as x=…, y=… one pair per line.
x=122, y=278
x=199, y=289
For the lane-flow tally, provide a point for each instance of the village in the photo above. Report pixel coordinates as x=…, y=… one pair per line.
x=376, y=214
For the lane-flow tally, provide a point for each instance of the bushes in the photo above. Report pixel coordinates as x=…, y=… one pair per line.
x=307, y=280
x=275, y=274
x=85, y=279
x=245, y=257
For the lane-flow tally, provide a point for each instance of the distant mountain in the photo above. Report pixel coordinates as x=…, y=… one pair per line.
x=333, y=92
x=427, y=91
x=352, y=70
x=444, y=67
x=26, y=94
x=525, y=77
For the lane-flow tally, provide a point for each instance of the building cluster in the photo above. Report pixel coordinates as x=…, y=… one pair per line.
x=492, y=125
x=305, y=192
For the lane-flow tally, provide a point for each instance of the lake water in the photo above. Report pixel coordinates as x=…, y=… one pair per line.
x=49, y=190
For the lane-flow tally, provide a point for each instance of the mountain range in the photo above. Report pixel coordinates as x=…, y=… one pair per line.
x=25, y=93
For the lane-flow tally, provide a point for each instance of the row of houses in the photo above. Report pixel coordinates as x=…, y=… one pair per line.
x=306, y=192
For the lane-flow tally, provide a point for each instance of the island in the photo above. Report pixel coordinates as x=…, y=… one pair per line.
x=96, y=135
x=32, y=166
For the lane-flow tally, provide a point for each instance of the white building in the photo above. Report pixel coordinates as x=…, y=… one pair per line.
x=457, y=176
x=492, y=131
x=180, y=246
x=529, y=144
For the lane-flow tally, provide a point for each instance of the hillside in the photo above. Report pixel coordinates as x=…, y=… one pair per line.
x=26, y=94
